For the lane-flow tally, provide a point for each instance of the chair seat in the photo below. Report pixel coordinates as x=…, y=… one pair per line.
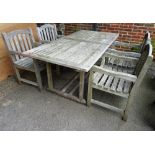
x=112, y=84
x=27, y=64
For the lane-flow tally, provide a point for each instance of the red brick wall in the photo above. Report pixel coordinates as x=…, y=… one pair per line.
x=70, y=28
x=128, y=32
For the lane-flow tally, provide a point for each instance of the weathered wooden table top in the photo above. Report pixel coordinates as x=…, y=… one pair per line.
x=80, y=50
x=93, y=36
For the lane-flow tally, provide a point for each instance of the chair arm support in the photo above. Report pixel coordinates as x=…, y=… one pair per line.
x=124, y=53
x=118, y=43
x=118, y=74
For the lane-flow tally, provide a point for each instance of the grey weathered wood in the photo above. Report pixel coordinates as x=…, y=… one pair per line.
x=81, y=87
x=107, y=106
x=90, y=89
x=77, y=53
x=49, y=76
x=93, y=37
x=37, y=73
x=122, y=75
x=47, y=32
x=68, y=96
x=25, y=42
x=29, y=82
x=74, y=89
x=119, y=79
x=29, y=41
x=17, y=42
x=72, y=53
x=21, y=42
x=75, y=77
x=17, y=75
x=124, y=53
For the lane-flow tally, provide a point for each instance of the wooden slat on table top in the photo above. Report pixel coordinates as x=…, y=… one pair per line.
x=93, y=36
x=77, y=54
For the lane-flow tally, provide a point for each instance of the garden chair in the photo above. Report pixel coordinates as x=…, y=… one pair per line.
x=137, y=47
x=19, y=41
x=137, y=54
x=119, y=79
x=48, y=33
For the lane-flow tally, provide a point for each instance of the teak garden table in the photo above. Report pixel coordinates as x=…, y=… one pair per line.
x=79, y=51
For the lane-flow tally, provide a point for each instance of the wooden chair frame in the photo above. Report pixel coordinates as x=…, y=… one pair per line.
x=135, y=78
x=48, y=33
x=19, y=41
x=131, y=45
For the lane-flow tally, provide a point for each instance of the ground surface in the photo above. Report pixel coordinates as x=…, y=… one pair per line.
x=23, y=107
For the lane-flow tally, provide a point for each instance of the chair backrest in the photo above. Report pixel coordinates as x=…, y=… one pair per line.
x=47, y=32
x=145, y=41
x=144, y=62
x=18, y=41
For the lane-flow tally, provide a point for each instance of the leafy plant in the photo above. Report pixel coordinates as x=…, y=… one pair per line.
x=135, y=49
x=153, y=44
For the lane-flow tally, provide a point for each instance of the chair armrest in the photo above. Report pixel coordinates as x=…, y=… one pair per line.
x=124, y=53
x=119, y=56
x=36, y=44
x=118, y=43
x=125, y=76
x=14, y=52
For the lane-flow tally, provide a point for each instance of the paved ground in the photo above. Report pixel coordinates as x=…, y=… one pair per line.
x=23, y=107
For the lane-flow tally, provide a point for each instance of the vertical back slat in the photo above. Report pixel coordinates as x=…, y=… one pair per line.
x=54, y=34
x=17, y=44
x=47, y=32
x=41, y=35
x=14, y=48
x=25, y=42
x=17, y=47
x=44, y=32
x=21, y=42
x=18, y=41
x=29, y=41
x=51, y=33
x=55, y=30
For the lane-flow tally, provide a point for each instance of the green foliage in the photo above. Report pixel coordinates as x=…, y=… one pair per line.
x=76, y=29
x=153, y=44
x=135, y=49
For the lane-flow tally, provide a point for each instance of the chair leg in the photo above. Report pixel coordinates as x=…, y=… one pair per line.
x=17, y=75
x=38, y=75
x=125, y=114
x=90, y=89
x=57, y=70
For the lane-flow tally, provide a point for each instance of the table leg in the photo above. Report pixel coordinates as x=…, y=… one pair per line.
x=38, y=75
x=81, y=88
x=49, y=76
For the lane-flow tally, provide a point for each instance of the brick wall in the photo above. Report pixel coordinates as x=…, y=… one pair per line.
x=70, y=28
x=128, y=32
